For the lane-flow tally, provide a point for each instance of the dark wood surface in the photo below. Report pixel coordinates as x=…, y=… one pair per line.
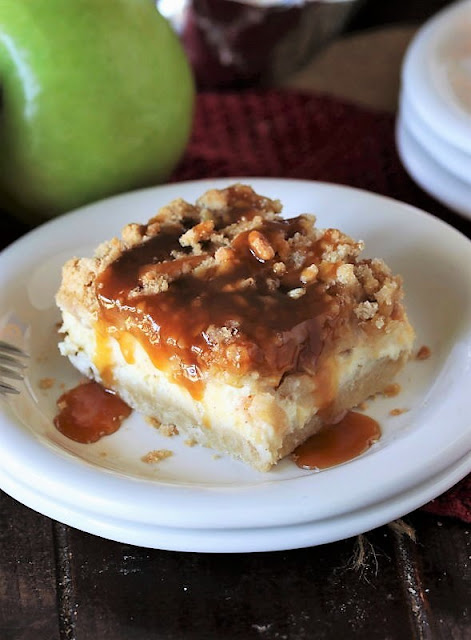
x=59, y=583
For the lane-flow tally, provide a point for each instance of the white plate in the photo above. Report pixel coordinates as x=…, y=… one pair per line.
x=232, y=540
x=429, y=174
x=88, y=486
x=452, y=159
x=437, y=74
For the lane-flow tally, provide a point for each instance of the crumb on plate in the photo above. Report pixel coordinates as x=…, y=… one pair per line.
x=156, y=455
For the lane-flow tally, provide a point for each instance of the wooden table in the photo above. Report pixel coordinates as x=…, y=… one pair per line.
x=392, y=583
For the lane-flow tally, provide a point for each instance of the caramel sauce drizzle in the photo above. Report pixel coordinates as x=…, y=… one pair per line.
x=423, y=353
x=89, y=411
x=337, y=443
x=272, y=332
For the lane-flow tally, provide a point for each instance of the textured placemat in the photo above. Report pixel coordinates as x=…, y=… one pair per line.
x=317, y=137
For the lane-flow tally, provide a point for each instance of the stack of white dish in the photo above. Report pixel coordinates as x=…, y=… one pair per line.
x=434, y=122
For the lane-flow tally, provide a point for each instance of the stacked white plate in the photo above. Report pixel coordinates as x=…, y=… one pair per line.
x=434, y=123
x=193, y=501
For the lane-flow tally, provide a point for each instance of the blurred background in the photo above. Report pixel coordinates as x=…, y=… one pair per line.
x=238, y=43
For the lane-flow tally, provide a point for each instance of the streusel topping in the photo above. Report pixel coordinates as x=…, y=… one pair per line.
x=229, y=286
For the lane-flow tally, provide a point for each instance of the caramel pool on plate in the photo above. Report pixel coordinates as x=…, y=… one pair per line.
x=338, y=443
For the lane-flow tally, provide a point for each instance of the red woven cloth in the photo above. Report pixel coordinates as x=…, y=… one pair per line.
x=291, y=135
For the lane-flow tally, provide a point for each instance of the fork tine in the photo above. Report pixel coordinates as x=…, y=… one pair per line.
x=11, y=361
x=10, y=367
x=10, y=373
x=10, y=348
x=5, y=389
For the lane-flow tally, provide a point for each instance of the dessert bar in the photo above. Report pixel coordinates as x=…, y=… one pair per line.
x=245, y=330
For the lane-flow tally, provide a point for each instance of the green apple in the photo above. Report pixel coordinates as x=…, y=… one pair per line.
x=96, y=98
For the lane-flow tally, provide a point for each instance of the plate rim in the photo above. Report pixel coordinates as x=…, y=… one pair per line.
x=273, y=517
x=415, y=76
x=260, y=539
x=453, y=159
x=430, y=174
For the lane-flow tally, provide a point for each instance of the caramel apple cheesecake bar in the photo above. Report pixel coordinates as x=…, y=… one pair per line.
x=245, y=330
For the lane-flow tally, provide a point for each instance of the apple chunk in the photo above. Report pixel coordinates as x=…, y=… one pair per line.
x=96, y=99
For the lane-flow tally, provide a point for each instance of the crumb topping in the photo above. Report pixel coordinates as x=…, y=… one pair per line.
x=228, y=284
x=398, y=412
x=46, y=383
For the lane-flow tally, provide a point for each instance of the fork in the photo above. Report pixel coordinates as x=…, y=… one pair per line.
x=11, y=366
